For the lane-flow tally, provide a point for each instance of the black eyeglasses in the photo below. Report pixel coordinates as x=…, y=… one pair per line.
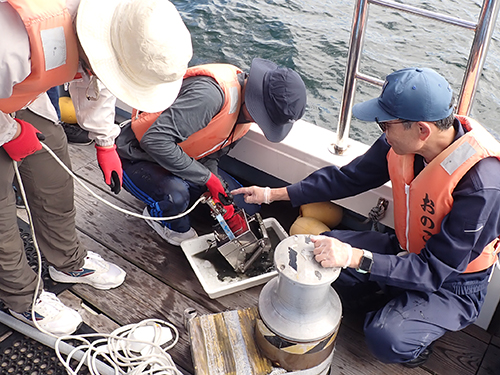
x=383, y=124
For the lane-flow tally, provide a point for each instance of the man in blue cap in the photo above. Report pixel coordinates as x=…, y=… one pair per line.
x=445, y=173
x=171, y=157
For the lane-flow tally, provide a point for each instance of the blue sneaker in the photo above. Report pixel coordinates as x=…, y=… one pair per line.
x=95, y=272
x=19, y=198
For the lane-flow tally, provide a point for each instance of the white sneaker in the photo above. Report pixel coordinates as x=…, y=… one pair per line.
x=95, y=272
x=51, y=315
x=169, y=235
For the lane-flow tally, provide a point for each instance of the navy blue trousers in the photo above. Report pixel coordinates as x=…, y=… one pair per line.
x=53, y=94
x=168, y=195
x=411, y=320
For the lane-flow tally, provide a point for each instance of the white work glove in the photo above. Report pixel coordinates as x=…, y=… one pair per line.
x=254, y=194
x=330, y=252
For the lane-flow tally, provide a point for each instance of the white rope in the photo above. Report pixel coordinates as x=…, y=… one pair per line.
x=37, y=249
x=77, y=179
x=124, y=350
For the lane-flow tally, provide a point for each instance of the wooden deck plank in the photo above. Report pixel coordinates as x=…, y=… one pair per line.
x=478, y=333
x=94, y=319
x=456, y=353
x=495, y=340
x=352, y=357
x=491, y=362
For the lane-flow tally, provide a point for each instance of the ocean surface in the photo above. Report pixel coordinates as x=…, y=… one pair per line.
x=312, y=37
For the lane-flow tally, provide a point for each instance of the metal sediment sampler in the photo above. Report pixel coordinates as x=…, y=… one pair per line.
x=299, y=311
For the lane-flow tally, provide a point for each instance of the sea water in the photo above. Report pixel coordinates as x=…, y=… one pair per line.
x=312, y=37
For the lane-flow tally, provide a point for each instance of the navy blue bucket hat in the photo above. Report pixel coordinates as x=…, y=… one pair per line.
x=275, y=98
x=415, y=94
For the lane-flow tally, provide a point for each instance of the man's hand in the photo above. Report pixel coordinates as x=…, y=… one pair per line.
x=330, y=252
x=26, y=143
x=254, y=194
x=111, y=167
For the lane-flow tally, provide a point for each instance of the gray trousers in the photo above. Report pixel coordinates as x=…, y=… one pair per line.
x=49, y=190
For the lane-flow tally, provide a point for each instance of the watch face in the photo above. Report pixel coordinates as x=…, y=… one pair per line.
x=366, y=264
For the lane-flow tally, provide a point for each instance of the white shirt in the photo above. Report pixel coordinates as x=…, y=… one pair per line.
x=98, y=117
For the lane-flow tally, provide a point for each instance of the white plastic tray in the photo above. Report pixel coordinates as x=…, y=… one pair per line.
x=207, y=274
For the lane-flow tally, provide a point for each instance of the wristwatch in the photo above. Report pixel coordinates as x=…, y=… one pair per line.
x=365, y=265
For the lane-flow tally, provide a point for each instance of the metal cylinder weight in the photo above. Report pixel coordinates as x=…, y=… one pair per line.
x=299, y=305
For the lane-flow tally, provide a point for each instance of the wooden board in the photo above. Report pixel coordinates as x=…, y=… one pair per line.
x=223, y=343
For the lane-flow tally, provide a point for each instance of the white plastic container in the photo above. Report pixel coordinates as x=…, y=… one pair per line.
x=208, y=274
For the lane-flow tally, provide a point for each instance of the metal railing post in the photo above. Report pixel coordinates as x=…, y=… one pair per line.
x=355, y=46
x=477, y=56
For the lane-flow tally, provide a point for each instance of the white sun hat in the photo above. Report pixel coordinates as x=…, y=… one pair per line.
x=139, y=49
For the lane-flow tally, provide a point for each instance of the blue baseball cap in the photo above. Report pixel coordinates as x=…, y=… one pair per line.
x=415, y=94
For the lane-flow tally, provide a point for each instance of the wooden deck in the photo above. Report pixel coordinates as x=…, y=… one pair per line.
x=161, y=284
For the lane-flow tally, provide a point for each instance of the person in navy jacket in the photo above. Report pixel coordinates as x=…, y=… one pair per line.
x=433, y=271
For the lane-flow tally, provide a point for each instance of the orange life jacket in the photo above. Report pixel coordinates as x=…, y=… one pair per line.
x=422, y=202
x=53, y=48
x=215, y=135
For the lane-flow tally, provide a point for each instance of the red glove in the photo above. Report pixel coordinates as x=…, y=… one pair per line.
x=235, y=222
x=111, y=167
x=26, y=143
x=219, y=195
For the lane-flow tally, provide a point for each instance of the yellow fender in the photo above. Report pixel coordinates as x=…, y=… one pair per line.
x=308, y=225
x=326, y=212
x=68, y=114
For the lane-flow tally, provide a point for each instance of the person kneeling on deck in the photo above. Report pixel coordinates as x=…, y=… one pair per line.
x=171, y=157
x=445, y=174
x=46, y=44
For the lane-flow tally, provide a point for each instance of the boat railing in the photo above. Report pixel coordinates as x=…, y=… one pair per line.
x=483, y=30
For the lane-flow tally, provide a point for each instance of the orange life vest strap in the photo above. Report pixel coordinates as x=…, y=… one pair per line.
x=142, y=121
